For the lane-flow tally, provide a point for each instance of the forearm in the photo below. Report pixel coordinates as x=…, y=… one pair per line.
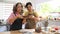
x=11, y=20
x=24, y=20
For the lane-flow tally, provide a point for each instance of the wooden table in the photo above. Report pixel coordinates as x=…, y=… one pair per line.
x=10, y=32
x=16, y=32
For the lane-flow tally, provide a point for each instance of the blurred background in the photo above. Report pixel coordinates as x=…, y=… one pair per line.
x=47, y=9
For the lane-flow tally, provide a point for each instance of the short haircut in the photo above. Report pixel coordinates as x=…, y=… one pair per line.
x=28, y=3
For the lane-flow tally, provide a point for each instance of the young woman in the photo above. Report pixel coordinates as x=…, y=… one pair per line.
x=16, y=18
x=32, y=16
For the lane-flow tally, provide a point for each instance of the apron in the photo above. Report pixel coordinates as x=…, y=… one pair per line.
x=17, y=25
x=31, y=24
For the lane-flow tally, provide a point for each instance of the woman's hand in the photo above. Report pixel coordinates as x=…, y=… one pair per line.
x=35, y=19
x=24, y=21
x=19, y=16
x=31, y=16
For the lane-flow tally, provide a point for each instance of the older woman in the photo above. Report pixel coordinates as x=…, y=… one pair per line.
x=16, y=18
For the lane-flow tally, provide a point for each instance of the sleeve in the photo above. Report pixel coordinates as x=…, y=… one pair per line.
x=11, y=16
x=35, y=14
x=25, y=13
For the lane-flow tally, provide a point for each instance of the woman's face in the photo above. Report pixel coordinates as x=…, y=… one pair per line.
x=29, y=7
x=19, y=8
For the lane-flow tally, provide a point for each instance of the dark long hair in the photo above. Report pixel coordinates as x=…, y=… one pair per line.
x=15, y=7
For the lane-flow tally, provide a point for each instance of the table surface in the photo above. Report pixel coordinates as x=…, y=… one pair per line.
x=18, y=32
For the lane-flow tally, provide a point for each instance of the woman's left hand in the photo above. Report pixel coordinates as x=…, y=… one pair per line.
x=35, y=19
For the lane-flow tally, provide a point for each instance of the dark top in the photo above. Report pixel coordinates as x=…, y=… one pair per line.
x=17, y=25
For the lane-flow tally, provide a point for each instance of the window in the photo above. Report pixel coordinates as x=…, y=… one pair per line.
x=5, y=10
